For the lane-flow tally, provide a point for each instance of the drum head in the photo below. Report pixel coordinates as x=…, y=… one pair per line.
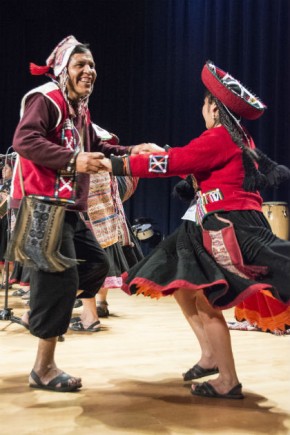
x=144, y=231
x=275, y=203
x=277, y=215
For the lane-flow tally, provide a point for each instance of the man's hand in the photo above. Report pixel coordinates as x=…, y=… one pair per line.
x=89, y=163
x=145, y=148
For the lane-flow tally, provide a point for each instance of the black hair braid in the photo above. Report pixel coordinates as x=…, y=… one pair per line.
x=184, y=189
x=275, y=173
x=254, y=179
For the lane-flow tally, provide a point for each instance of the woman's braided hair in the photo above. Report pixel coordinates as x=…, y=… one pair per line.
x=269, y=174
x=254, y=179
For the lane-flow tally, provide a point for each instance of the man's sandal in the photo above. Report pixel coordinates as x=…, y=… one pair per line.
x=60, y=383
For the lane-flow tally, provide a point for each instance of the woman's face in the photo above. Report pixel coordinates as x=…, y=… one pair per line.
x=210, y=114
x=206, y=113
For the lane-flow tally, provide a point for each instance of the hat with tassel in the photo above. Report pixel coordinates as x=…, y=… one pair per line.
x=235, y=96
x=58, y=59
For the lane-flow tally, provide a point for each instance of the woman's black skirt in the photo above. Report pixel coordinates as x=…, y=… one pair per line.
x=228, y=267
x=121, y=258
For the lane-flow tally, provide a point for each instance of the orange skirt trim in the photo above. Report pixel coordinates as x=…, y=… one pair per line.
x=264, y=311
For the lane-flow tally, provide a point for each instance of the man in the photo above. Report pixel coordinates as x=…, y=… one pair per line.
x=58, y=149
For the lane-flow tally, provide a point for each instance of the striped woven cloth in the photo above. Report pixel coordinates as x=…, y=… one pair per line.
x=105, y=208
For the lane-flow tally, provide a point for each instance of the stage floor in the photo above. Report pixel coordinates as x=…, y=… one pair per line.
x=132, y=382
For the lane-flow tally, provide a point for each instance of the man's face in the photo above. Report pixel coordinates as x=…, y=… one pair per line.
x=82, y=75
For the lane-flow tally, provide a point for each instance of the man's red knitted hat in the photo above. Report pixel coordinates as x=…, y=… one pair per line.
x=58, y=59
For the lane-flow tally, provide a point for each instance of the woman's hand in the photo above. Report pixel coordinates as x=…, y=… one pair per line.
x=145, y=148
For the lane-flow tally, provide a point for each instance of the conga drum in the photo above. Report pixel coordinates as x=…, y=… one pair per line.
x=277, y=214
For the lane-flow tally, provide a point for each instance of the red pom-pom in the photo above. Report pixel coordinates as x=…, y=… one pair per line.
x=37, y=70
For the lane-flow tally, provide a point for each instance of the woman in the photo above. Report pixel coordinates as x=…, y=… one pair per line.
x=225, y=250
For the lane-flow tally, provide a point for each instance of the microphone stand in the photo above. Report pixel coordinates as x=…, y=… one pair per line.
x=6, y=313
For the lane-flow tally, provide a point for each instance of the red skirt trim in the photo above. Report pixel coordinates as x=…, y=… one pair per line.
x=156, y=291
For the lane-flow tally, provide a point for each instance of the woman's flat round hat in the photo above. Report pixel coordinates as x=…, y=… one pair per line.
x=235, y=96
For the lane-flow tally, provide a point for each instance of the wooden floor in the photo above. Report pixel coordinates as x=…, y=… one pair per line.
x=132, y=381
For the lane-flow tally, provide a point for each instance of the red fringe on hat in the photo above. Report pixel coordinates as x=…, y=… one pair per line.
x=37, y=70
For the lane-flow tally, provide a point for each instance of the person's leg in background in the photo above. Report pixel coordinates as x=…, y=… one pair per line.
x=92, y=274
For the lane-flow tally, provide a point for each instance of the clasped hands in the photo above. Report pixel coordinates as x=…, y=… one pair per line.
x=91, y=163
